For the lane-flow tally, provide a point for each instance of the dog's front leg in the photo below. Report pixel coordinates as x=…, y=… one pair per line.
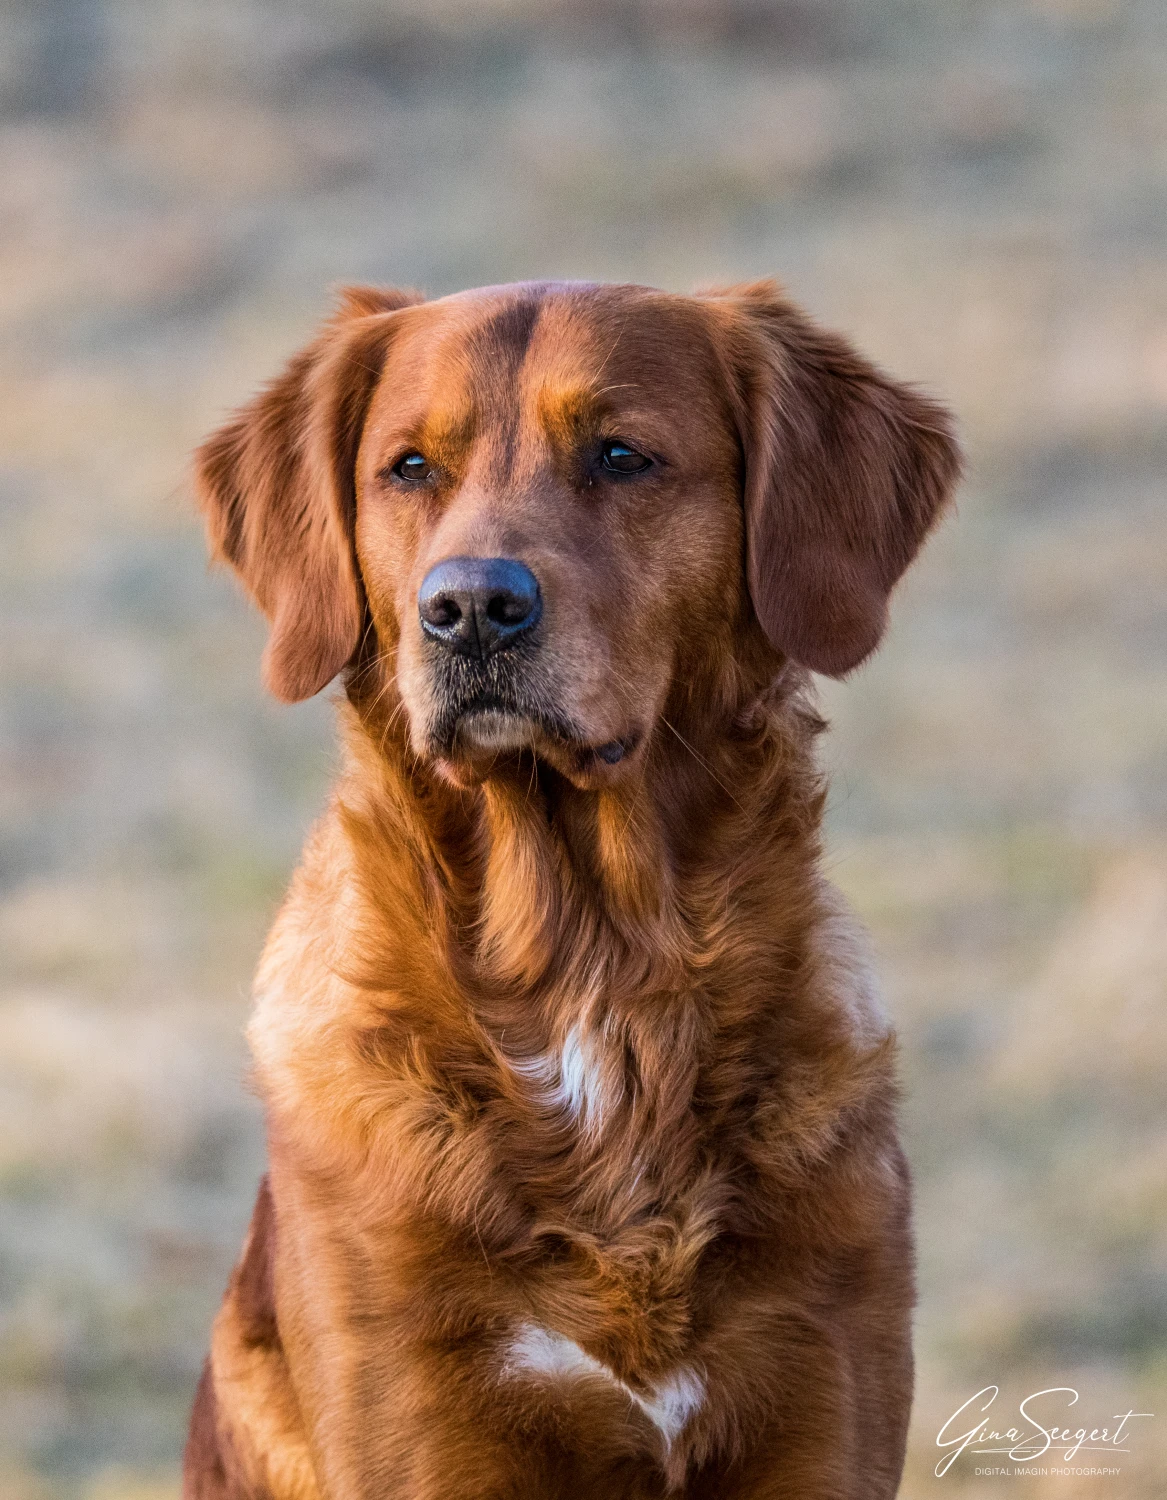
x=827, y=1438
x=395, y=1380
x=247, y=1439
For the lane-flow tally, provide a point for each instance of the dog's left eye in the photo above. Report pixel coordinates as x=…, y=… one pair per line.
x=413, y=468
x=622, y=458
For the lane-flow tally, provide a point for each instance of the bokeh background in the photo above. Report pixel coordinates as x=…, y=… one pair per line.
x=977, y=191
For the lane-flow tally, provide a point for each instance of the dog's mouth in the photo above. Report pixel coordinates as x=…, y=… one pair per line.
x=487, y=724
x=488, y=711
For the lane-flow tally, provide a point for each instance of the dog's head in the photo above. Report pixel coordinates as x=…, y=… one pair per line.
x=553, y=506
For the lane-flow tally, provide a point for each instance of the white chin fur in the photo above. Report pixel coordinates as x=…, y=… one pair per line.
x=496, y=731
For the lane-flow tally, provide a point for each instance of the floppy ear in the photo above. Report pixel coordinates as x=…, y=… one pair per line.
x=277, y=487
x=846, y=471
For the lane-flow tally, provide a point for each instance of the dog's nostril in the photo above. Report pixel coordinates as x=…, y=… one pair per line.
x=443, y=611
x=508, y=609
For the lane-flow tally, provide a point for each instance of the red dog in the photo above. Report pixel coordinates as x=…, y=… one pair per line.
x=584, y=1173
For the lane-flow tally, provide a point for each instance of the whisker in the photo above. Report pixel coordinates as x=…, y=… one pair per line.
x=702, y=762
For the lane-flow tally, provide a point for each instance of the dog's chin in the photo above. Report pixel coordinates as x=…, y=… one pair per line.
x=495, y=731
x=487, y=742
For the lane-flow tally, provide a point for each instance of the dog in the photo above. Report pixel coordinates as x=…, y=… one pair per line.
x=583, y=1173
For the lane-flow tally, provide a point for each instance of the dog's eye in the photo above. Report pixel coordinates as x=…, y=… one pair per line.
x=413, y=468
x=623, y=459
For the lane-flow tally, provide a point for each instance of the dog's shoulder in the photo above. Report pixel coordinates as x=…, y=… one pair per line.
x=844, y=966
x=302, y=1002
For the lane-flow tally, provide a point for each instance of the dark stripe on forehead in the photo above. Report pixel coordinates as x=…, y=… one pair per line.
x=508, y=333
x=498, y=347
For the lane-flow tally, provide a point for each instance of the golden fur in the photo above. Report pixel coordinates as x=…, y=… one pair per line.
x=584, y=1177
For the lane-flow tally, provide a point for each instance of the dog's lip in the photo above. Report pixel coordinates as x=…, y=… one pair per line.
x=612, y=752
x=488, y=729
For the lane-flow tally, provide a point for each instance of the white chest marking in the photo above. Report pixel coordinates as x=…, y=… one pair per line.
x=575, y=1081
x=674, y=1401
x=538, y=1351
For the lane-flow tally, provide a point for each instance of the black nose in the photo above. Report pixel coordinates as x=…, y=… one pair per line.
x=478, y=605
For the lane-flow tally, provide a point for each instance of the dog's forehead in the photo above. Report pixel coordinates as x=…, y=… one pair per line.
x=620, y=341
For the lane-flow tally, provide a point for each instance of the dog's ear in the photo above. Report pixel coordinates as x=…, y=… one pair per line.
x=277, y=487
x=846, y=471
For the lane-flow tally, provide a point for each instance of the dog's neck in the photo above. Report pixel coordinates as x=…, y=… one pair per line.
x=463, y=950
x=529, y=876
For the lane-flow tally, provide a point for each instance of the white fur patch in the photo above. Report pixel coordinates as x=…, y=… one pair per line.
x=572, y=1081
x=497, y=731
x=674, y=1401
x=581, y=1084
x=540, y=1352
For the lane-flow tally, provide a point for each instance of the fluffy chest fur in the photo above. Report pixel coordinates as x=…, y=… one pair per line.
x=579, y=1152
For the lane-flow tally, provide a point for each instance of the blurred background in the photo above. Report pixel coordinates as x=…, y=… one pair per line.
x=976, y=190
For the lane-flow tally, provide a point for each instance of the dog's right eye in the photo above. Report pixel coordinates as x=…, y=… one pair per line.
x=413, y=468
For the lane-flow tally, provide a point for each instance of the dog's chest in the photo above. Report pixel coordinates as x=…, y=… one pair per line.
x=578, y=1083
x=610, y=1302
x=621, y=1196
x=606, y=1135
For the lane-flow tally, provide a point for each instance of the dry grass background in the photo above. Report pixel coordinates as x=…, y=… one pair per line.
x=977, y=190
